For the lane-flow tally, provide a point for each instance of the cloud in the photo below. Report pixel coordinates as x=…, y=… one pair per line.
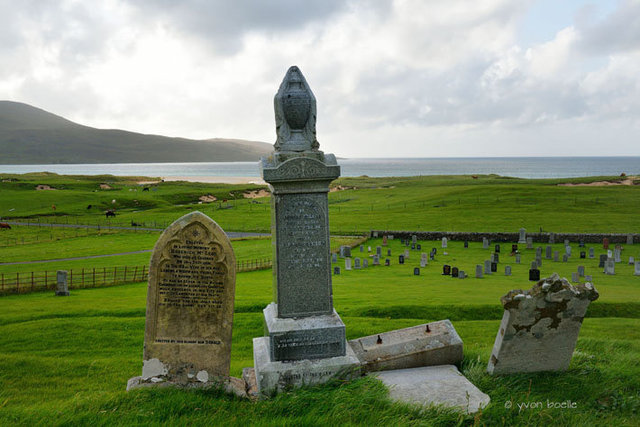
x=385, y=71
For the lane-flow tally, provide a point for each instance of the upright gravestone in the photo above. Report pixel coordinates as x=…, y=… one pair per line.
x=384, y=240
x=610, y=267
x=485, y=243
x=548, y=252
x=603, y=259
x=552, y=238
x=62, y=288
x=581, y=270
x=356, y=263
x=478, y=271
x=191, y=290
x=592, y=253
x=334, y=258
x=306, y=340
x=567, y=250
x=617, y=252
x=629, y=239
x=347, y=263
x=507, y=270
x=518, y=258
x=529, y=242
x=522, y=237
x=605, y=243
x=487, y=267
x=556, y=256
x=444, y=242
x=636, y=268
x=632, y=260
x=540, y=326
x=336, y=271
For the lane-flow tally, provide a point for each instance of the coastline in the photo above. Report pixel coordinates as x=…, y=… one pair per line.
x=217, y=179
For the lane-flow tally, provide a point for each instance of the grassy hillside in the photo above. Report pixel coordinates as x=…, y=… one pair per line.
x=66, y=361
x=29, y=135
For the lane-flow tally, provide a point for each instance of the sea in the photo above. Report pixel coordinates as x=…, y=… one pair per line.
x=520, y=167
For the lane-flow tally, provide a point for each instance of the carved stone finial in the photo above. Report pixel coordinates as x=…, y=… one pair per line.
x=295, y=109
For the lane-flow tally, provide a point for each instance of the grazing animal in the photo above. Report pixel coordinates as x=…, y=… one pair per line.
x=145, y=189
x=53, y=207
x=110, y=213
x=474, y=176
x=135, y=224
x=5, y=225
x=89, y=207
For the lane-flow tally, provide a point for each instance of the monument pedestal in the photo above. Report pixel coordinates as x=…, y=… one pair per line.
x=276, y=376
x=311, y=337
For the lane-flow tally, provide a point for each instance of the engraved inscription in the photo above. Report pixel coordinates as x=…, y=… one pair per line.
x=303, y=280
x=191, y=288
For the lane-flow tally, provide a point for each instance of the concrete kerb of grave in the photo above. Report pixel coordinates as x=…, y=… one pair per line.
x=435, y=343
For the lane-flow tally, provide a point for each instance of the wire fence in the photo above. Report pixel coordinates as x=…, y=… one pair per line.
x=79, y=278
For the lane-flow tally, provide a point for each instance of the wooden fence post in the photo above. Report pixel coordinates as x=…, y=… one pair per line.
x=94, y=277
x=32, y=284
x=83, y=277
x=17, y=282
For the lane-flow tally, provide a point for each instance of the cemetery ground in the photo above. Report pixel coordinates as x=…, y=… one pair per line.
x=67, y=360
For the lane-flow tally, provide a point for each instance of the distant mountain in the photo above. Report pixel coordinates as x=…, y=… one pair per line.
x=29, y=135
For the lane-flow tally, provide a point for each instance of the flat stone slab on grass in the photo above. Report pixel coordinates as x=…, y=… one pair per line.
x=434, y=385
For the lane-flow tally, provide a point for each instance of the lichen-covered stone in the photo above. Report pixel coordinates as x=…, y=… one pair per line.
x=540, y=326
x=190, y=302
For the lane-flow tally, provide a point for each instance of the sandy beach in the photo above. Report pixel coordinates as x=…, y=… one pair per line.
x=218, y=179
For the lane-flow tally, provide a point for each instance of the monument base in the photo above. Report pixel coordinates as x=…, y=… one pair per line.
x=230, y=385
x=62, y=293
x=274, y=376
x=312, y=337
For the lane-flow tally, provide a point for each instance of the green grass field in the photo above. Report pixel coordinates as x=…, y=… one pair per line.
x=66, y=361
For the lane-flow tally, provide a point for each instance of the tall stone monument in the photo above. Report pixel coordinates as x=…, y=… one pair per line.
x=191, y=290
x=305, y=340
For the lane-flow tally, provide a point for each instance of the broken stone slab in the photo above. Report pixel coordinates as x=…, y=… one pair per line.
x=230, y=385
x=276, y=376
x=249, y=377
x=540, y=326
x=434, y=385
x=435, y=343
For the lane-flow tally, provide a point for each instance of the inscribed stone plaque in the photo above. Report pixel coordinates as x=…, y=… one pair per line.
x=190, y=302
x=302, y=255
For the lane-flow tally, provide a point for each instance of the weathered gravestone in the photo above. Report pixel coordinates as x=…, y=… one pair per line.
x=507, y=270
x=610, y=267
x=305, y=340
x=636, y=268
x=529, y=242
x=446, y=270
x=552, y=238
x=387, y=262
x=556, y=256
x=583, y=255
x=632, y=260
x=592, y=253
x=540, y=326
x=494, y=267
x=522, y=237
x=62, y=288
x=334, y=258
x=384, y=240
x=365, y=263
x=605, y=243
x=478, y=272
x=376, y=259
x=617, y=252
x=444, y=242
x=629, y=239
x=518, y=258
x=485, y=243
x=347, y=263
x=356, y=263
x=361, y=248
x=400, y=259
x=534, y=274
x=416, y=271
x=191, y=290
x=581, y=270
x=548, y=252
x=336, y=271
x=487, y=267
x=574, y=277
x=565, y=258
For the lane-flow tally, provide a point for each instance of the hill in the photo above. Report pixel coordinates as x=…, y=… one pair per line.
x=29, y=135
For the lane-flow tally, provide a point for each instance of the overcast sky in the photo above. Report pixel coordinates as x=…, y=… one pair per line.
x=421, y=78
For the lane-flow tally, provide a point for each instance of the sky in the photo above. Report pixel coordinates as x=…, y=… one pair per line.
x=404, y=78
